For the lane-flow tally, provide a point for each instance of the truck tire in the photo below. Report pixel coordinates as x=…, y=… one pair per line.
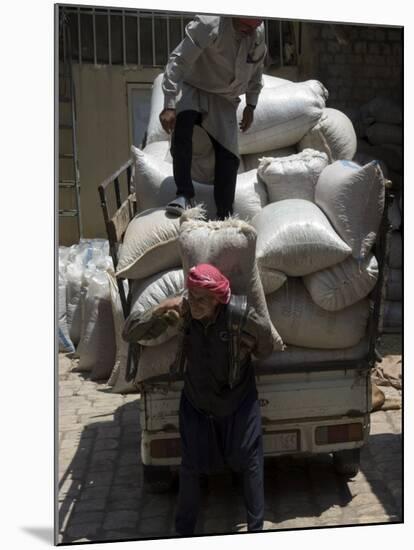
x=346, y=462
x=159, y=479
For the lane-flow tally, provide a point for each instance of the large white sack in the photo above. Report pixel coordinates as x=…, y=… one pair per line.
x=394, y=288
x=396, y=252
x=155, y=188
x=203, y=160
x=65, y=343
x=353, y=199
x=74, y=278
x=283, y=116
x=380, y=133
x=150, y=244
x=230, y=246
x=302, y=323
x=117, y=377
x=343, y=284
x=295, y=237
x=296, y=356
x=271, y=279
x=97, y=347
x=152, y=291
x=251, y=161
x=155, y=131
x=334, y=134
x=365, y=158
x=381, y=109
x=294, y=176
x=157, y=360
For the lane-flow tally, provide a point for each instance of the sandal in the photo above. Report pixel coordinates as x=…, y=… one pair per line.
x=179, y=205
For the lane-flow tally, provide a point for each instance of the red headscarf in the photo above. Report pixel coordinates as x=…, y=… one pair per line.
x=210, y=278
x=251, y=22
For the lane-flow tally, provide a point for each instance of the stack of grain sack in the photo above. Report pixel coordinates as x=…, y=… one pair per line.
x=379, y=125
x=300, y=243
x=86, y=328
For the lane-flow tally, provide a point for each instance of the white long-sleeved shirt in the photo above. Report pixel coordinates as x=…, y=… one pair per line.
x=210, y=69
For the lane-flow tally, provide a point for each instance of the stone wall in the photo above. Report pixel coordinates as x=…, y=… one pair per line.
x=355, y=62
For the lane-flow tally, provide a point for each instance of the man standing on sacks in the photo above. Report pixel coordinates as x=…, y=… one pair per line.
x=219, y=59
x=219, y=415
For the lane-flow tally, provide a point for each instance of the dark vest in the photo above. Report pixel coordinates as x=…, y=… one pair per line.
x=206, y=377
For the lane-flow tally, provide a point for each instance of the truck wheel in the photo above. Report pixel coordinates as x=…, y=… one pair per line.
x=159, y=479
x=346, y=462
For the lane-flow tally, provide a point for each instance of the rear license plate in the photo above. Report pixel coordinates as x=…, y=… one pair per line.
x=279, y=442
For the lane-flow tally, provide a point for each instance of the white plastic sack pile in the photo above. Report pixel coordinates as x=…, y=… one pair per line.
x=295, y=237
x=230, y=246
x=65, y=343
x=155, y=188
x=152, y=291
x=283, y=116
x=343, y=284
x=87, y=251
x=294, y=176
x=334, y=134
x=352, y=197
x=97, y=347
x=302, y=323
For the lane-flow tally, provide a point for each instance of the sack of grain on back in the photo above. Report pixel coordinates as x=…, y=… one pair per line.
x=344, y=284
x=283, y=116
x=155, y=187
x=334, y=135
x=303, y=323
x=352, y=197
x=295, y=237
x=294, y=176
x=230, y=246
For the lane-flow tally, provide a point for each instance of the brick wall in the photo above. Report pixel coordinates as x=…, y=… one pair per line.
x=369, y=63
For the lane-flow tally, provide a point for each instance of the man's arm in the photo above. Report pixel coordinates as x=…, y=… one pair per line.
x=199, y=33
x=255, y=83
x=152, y=323
x=258, y=55
x=257, y=335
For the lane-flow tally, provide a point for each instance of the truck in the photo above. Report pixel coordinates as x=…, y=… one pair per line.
x=316, y=404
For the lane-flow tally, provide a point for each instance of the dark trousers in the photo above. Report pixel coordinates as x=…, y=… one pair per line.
x=209, y=442
x=226, y=164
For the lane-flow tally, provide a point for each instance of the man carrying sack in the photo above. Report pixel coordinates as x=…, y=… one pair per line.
x=219, y=59
x=220, y=421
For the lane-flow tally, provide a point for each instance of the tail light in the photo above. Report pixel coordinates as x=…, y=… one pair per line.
x=341, y=433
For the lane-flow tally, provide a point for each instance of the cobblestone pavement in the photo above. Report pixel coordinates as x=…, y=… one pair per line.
x=102, y=495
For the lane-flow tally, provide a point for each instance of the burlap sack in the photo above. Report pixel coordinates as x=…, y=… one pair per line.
x=302, y=323
x=295, y=237
x=352, y=197
x=230, y=246
x=343, y=284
